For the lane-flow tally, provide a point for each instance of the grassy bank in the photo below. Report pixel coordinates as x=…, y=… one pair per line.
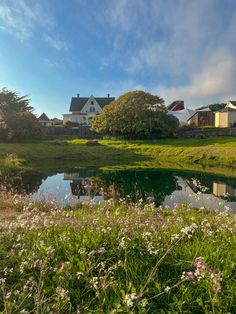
x=126, y=258
x=171, y=153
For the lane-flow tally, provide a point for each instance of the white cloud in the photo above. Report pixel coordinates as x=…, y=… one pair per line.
x=20, y=19
x=215, y=82
x=189, y=44
x=56, y=43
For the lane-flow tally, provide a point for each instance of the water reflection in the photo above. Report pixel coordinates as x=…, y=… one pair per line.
x=161, y=186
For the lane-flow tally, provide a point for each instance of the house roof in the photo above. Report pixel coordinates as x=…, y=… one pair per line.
x=233, y=102
x=176, y=105
x=56, y=119
x=77, y=103
x=43, y=117
x=182, y=115
x=204, y=109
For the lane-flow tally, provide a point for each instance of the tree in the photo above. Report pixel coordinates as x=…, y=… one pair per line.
x=135, y=114
x=17, y=116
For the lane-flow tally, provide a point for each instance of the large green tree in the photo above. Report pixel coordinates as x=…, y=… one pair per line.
x=16, y=115
x=135, y=114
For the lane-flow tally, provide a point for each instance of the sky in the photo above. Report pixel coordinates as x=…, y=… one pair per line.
x=178, y=49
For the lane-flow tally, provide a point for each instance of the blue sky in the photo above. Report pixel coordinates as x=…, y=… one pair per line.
x=178, y=49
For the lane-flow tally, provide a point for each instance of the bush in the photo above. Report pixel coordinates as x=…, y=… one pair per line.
x=208, y=127
x=71, y=124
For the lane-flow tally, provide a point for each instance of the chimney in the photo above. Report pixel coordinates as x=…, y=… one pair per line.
x=108, y=95
x=78, y=95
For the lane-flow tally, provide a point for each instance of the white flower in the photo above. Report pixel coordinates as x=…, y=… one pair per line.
x=129, y=298
x=167, y=289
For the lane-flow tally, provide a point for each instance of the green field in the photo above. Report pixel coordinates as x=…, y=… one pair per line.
x=214, y=154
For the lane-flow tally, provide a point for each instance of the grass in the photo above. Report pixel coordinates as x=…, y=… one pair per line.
x=123, y=258
x=216, y=154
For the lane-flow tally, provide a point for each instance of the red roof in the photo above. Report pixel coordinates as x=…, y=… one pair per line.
x=176, y=105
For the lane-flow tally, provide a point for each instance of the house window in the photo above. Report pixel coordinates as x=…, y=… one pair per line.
x=91, y=109
x=92, y=102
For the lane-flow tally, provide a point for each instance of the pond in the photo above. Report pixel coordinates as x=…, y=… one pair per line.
x=164, y=187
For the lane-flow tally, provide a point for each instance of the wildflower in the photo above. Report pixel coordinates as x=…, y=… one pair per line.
x=63, y=294
x=82, y=250
x=167, y=289
x=188, y=276
x=129, y=298
x=79, y=274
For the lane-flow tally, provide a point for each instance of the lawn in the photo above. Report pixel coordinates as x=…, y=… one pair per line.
x=219, y=153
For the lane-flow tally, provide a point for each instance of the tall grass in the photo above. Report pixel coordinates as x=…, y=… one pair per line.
x=10, y=163
x=125, y=258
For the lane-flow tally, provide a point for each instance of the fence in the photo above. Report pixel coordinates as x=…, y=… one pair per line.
x=52, y=132
x=209, y=132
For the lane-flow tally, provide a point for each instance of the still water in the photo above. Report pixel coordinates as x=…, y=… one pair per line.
x=164, y=187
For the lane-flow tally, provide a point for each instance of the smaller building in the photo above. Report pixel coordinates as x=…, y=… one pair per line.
x=202, y=117
x=226, y=118
x=44, y=120
x=56, y=122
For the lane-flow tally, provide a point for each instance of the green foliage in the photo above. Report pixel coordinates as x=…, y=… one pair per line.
x=117, y=259
x=213, y=107
x=135, y=114
x=208, y=127
x=17, y=117
x=71, y=124
x=217, y=107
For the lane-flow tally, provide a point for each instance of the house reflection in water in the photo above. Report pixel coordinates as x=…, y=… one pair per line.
x=224, y=190
x=81, y=186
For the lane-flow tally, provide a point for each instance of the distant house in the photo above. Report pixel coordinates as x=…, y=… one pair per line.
x=202, y=117
x=83, y=109
x=226, y=118
x=44, y=120
x=56, y=122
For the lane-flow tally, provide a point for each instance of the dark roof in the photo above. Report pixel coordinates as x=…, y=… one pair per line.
x=77, y=103
x=233, y=102
x=43, y=117
x=176, y=105
x=56, y=119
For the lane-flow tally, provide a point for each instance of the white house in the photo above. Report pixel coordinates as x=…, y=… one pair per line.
x=226, y=118
x=83, y=109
